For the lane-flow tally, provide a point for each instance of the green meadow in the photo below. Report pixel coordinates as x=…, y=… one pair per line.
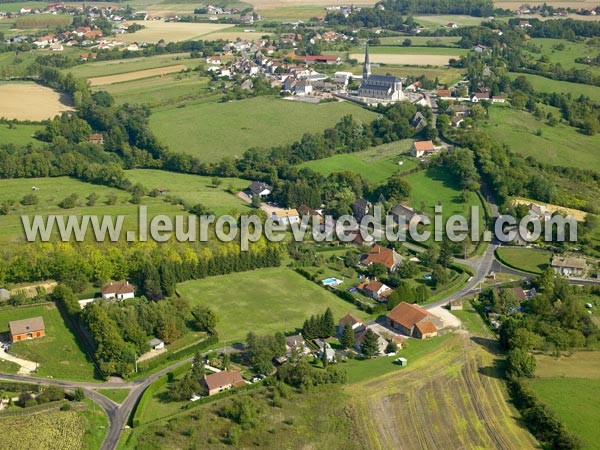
x=375, y=165
x=548, y=85
x=194, y=189
x=565, y=56
x=436, y=186
x=211, y=131
x=401, y=50
x=51, y=191
x=559, y=145
x=19, y=135
x=575, y=402
x=263, y=301
x=59, y=353
x=156, y=91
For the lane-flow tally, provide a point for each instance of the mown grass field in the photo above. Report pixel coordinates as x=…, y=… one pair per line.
x=565, y=57
x=576, y=365
x=445, y=75
x=576, y=402
x=194, y=189
x=53, y=190
x=452, y=397
x=263, y=301
x=543, y=84
x=58, y=354
x=158, y=91
x=560, y=145
x=436, y=186
x=107, y=68
x=528, y=260
x=19, y=135
x=211, y=131
x=375, y=165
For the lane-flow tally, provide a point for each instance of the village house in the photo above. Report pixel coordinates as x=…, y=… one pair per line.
x=259, y=188
x=418, y=121
x=360, y=208
x=459, y=110
x=21, y=330
x=351, y=319
x=382, y=255
x=403, y=215
x=222, y=381
x=359, y=339
x=456, y=121
x=118, y=291
x=569, y=266
x=96, y=138
x=479, y=48
x=421, y=149
x=539, y=211
x=375, y=290
x=498, y=99
x=479, y=96
x=296, y=343
x=286, y=216
x=412, y=320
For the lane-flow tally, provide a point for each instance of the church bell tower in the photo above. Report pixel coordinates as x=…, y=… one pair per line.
x=367, y=66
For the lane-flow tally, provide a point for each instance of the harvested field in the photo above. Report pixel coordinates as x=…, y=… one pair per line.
x=271, y=4
x=31, y=101
x=452, y=398
x=407, y=60
x=232, y=35
x=112, y=79
x=172, y=31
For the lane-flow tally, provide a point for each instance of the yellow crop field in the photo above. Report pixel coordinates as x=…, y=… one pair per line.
x=154, y=31
x=406, y=60
x=49, y=430
x=31, y=101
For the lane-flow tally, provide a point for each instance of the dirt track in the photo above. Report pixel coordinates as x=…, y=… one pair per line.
x=112, y=79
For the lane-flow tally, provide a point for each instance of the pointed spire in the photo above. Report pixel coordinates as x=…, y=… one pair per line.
x=367, y=66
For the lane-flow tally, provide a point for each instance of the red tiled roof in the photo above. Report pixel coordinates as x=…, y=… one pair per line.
x=349, y=318
x=380, y=255
x=224, y=378
x=118, y=288
x=408, y=315
x=424, y=146
x=426, y=327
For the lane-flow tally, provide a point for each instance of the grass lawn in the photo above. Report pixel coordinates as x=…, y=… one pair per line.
x=362, y=369
x=159, y=90
x=105, y=68
x=8, y=367
x=53, y=190
x=375, y=165
x=194, y=188
x=58, y=353
x=436, y=186
x=528, y=260
x=116, y=395
x=548, y=85
x=576, y=402
x=263, y=301
x=212, y=131
x=560, y=145
x=577, y=365
x=20, y=135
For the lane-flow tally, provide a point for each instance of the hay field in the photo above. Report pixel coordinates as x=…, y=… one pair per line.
x=452, y=398
x=31, y=101
x=171, y=31
x=112, y=79
x=406, y=60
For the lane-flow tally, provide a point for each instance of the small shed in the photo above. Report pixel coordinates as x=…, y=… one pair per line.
x=455, y=305
x=403, y=362
x=4, y=295
x=156, y=344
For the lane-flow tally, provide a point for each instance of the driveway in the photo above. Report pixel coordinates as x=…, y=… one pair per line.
x=449, y=319
x=26, y=366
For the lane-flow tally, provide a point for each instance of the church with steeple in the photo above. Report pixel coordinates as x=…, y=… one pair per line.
x=379, y=87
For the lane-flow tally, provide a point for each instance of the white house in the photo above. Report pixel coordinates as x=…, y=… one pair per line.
x=286, y=216
x=569, y=267
x=259, y=188
x=118, y=291
x=156, y=344
x=422, y=148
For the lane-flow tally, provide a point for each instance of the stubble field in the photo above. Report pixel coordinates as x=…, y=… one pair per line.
x=120, y=78
x=30, y=101
x=154, y=31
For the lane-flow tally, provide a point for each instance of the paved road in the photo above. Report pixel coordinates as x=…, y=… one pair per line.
x=118, y=415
